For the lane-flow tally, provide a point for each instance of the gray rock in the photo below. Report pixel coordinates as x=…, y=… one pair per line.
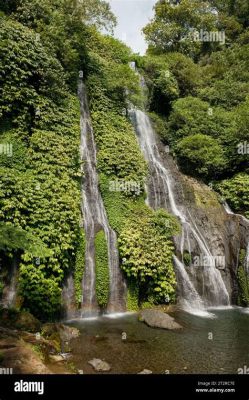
x=56, y=358
x=145, y=372
x=158, y=319
x=99, y=365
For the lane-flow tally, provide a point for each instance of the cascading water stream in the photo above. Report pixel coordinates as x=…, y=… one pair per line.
x=160, y=192
x=95, y=219
x=10, y=290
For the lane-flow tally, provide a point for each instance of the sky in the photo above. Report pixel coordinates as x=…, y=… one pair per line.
x=132, y=16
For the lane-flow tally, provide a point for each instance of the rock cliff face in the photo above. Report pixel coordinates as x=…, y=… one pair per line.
x=225, y=233
x=208, y=247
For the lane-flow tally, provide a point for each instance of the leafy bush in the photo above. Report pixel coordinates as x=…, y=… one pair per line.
x=42, y=294
x=236, y=192
x=132, y=295
x=79, y=267
x=118, y=152
x=201, y=155
x=29, y=75
x=146, y=253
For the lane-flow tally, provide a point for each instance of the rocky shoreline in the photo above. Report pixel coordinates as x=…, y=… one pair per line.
x=29, y=347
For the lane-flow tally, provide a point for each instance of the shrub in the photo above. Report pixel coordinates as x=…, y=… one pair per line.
x=201, y=155
x=102, y=269
x=146, y=253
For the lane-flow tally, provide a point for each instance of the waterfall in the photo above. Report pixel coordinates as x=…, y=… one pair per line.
x=227, y=208
x=68, y=298
x=10, y=289
x=95, y=219
x=161, y=193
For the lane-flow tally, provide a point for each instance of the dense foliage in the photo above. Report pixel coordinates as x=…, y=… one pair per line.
x=196, y=69
x=102, y=270
x=43, y=46
x=122, y=172
x=198, y=99
x=42, y=50
x=146, y=252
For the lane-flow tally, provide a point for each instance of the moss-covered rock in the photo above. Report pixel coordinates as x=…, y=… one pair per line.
x=26, y=321
x=22, y=320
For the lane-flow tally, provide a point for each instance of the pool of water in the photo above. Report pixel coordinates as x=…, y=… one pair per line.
x=215, y=343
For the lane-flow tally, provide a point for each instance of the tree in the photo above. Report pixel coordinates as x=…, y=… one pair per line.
x=173, y=26
x=201, y=155
x=13, y=238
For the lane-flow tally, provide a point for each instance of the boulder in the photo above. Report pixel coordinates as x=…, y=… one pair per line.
x=99, y=365
x=21, y=320
x=60, y=335
x=158, y=319
x=66, y=333
x=27, y=322
x=145, y=372
x=56, y=358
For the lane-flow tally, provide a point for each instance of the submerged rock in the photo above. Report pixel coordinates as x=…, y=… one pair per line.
x=158, y=319
x=99, y=365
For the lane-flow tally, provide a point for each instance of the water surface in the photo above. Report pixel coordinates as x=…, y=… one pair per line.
x=217, y=343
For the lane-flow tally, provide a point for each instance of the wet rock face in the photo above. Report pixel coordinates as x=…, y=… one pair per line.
x=158, y=319
x=226, y=234
x=69, y=306
x=207, y=248
x=9, y=277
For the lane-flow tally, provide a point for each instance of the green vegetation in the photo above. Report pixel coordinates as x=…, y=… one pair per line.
x=202, y=154
x=199, y=86
x=187, y=258
x=146, y=252
x=42, y=48
x=102, y=269
x=122, y=172
x=236, y=192
x=79, y=267
x=243, y=281
x=132, y=294
x=198, y=101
